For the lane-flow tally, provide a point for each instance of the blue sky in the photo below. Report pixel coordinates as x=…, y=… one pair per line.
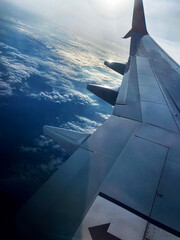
x=106, y=21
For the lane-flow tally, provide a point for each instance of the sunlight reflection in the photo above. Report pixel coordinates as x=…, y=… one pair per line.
x=109, y=9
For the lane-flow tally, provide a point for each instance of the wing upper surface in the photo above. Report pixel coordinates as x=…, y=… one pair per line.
x=146, y=99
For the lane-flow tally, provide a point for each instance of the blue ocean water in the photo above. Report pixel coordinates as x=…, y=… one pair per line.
x=44, y=70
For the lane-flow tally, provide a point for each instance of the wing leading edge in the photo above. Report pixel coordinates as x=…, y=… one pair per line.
x=122, y=178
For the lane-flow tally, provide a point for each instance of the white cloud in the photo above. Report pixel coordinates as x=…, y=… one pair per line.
x=71, y=95
x=28, y=149
x=82, y=124
x=79, y=61
x=5, y=89
x=90, y=19
x=26, y=178
x=16, y=71
x=103, y=116
x=85, y=127
x=43, y=141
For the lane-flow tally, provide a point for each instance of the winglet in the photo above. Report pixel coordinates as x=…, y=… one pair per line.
x=139, y=22
x=129, y=34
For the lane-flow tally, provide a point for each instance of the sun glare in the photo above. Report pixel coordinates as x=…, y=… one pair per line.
x=111, y=4
x=109, y=9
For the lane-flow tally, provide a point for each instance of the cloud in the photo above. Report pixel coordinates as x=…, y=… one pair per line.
x=60, y=67
x=93, y=20
x=56, y=69
x=88, y=23
x=102, y=116
x=83, y=127
x=70, y=95
x=84, y=124
x=52, y=165
x=5, y=89
x=29, y=149
x=26, y=178
x=43, y=141
x=16, y=71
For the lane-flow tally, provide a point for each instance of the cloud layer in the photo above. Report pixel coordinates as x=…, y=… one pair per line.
x=43, y=78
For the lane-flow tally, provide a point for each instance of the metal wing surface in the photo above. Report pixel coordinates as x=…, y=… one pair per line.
x=121, y=182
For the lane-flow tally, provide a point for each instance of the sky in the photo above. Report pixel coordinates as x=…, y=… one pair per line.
x=107, y=21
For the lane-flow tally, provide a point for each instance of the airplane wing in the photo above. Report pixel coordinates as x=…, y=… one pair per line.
x=121, y=182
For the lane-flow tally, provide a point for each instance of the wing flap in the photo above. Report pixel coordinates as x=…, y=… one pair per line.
x=106, y=93
x=67, y=139
x=118, y=67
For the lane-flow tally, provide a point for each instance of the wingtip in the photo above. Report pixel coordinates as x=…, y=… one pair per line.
x=139, y=22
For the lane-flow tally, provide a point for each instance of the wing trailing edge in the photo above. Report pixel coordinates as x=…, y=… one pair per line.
x=138, y=22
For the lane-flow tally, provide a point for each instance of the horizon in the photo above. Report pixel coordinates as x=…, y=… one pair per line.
x=99, y=26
